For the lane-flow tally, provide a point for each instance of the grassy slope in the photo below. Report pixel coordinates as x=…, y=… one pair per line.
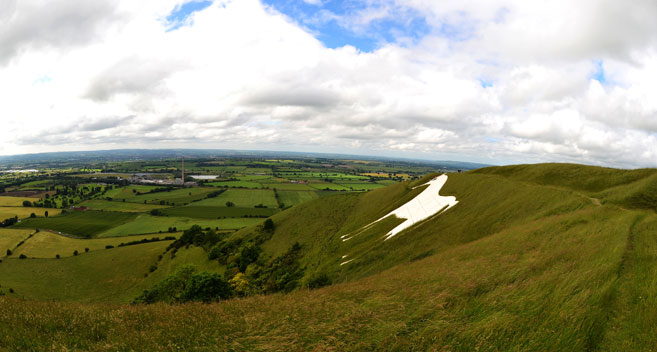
x=209, y=212
x=522, y=263
x=9, y=238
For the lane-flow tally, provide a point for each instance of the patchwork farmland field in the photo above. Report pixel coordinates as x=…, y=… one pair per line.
x=9, y=238
x=120, y=206
x=47, y=245
x=236, y=184
x=242, y=198
x=210, y=212
x=148, y=224
x=14, y=201
x=82, y=224
x=25, y=212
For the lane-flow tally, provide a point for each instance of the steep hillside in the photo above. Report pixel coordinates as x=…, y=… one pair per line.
x=523, y=262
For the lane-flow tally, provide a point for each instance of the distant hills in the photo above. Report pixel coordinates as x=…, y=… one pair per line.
x=153, y=154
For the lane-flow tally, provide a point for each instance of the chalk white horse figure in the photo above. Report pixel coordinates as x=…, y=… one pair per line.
x=423, y=206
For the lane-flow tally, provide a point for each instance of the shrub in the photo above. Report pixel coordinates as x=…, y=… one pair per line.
x=318, y=281
x=75, y=252
x=57, y=256
x=268, y=225
x=185, y=285
x=22, y=256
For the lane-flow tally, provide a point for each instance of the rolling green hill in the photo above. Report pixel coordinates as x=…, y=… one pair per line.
x=533, y=257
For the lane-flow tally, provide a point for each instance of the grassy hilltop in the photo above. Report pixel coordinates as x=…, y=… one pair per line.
x=534, y=257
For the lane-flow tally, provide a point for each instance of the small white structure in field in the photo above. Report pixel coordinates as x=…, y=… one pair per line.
x=423, y=206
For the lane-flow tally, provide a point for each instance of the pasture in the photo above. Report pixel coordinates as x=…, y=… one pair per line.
x=235, y=184
x=242, y=198
x=14, y=201
x=9, y=238
x=173, y=197
x=25, y=212
x=209, y=212
x=97, y=204
x=148, y=224
x=82, y=224
x=288, y=186
x=45, y=244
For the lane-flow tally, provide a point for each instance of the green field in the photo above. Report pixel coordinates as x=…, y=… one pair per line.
x=128, y=191
x=361, y=186
x=148, y=224
x=286, y=186
x=14, y=201
x=105, y=205
x=235, y=184
x=25, y=212
x=242, y=198
x=113, y=275
x=47, y=245
x=9, y=238
x=208, y=212
x=83, y=223
x=292, y=198
x=173, y=197
x=328, y=186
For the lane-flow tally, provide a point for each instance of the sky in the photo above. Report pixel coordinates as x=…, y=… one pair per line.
x=492, y=81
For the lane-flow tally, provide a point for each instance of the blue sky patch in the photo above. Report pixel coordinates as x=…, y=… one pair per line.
x=177, y=17
x=332, y=22
x=599, y=72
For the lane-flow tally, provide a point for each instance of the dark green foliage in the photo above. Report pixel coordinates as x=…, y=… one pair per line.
x=27, y=203
x=284, y=273
x=318, y=281
x=146, y=240
x=156, y=212
x=268, y=225
x=197, y=237
x=9, y=252
x=215, y=193
x=9, y=222
x=186, y=285
x=22, y=256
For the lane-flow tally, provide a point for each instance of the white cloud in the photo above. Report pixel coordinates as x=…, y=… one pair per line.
x=108, y=74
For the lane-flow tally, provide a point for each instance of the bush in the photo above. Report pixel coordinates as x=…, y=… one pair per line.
x=9, y=252
x=22, y=256
x=268, y=225
x=109, y=246
x=27, y=203
x=57, y=256
x=185, y=285
x=75, y=252
x=230, y=204
x=318, y=281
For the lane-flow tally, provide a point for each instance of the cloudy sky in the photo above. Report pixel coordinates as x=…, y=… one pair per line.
x=496, y=81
